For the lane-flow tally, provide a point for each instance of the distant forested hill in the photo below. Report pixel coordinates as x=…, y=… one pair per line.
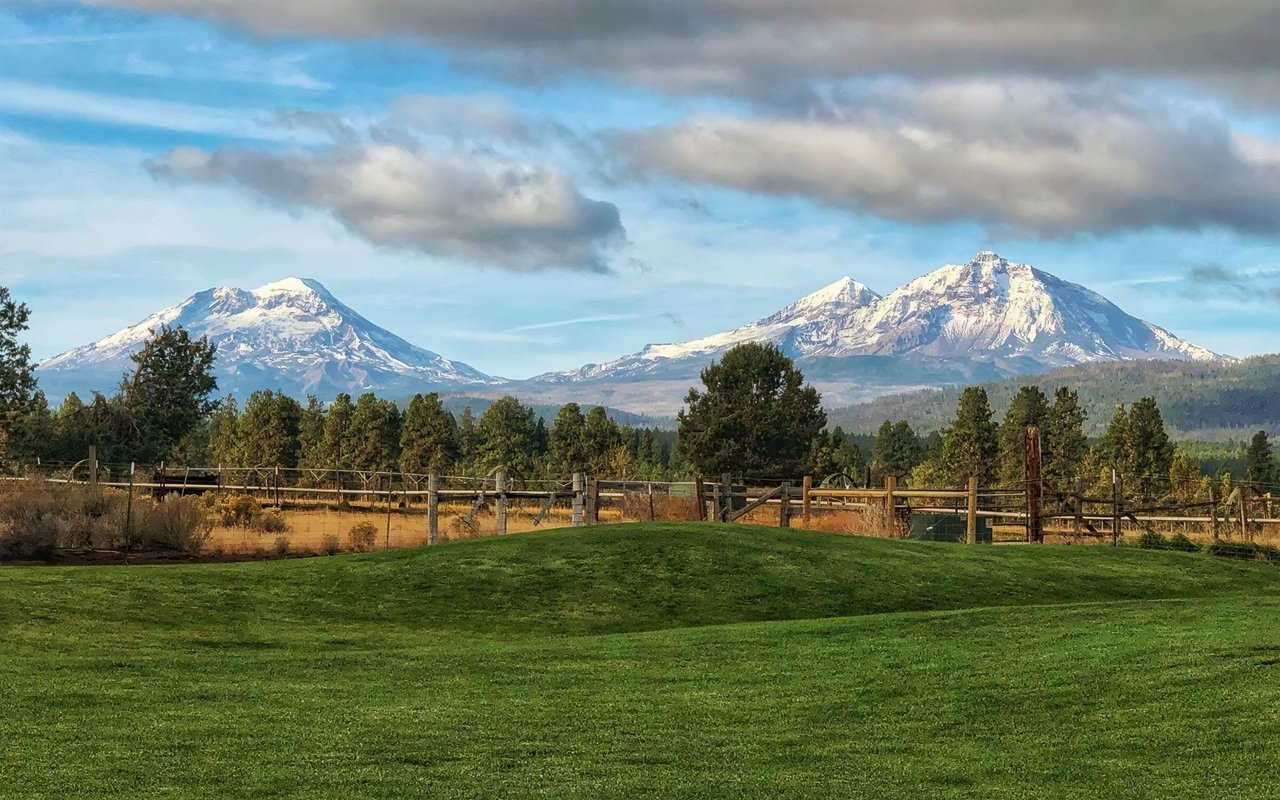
x=1200, y=400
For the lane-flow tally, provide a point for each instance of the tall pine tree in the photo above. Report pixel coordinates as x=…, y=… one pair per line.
x=428, y=437
x=970, y=444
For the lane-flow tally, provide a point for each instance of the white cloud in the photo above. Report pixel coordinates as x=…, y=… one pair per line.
x=39, y=100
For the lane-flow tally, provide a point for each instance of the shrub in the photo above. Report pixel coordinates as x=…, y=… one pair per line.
x=282, y=546
x=1181, y=542
x=330, y=545
x=363, y=537
x=1249, y=551
x=176, y=523
x=1150, y=540
x=271, y=522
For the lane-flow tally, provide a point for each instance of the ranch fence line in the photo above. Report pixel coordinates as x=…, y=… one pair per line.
x=1035, y=508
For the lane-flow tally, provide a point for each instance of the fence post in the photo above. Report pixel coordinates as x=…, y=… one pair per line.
x=1117, y=495
x=93, y=466
x=726, y=497
x=890, y=505
x=501, y=512
x=1244, y=512
x=390, y=500
x=700, y=491
x=1035, y=489
x=128, y=517
x=593, y=501
x=784, y=513
x=805, y=502
x=652, y=515
x=1078, y=506
x=579, y=498
x=1213, y=510
x=971, y=518
x=278, y=487
x=433, y=508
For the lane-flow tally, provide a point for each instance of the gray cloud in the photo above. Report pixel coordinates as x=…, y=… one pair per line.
x=1027, y=157
x=490, y=211
x=1248, y=286
x=754, y=46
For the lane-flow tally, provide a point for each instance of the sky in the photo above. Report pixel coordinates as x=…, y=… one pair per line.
x=533, y=186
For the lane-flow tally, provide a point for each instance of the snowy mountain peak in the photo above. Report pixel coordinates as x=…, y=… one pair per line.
x=306, y=287
x=292, y=334
x=845, y=291
x=989, y=310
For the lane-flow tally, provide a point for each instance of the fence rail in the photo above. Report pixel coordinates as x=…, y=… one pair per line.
x=889, y=509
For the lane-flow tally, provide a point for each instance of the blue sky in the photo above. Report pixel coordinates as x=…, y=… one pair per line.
x=531, y=195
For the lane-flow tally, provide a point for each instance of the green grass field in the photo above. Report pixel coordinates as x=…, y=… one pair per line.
x=648, y=660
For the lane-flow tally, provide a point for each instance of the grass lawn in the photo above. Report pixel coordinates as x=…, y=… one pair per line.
x=648, y=660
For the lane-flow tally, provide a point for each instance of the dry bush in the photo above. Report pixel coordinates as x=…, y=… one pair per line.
x=38, y=517
x=282, y=546
x=243, y=511
x=331, y=545
x=362, y=537
x=271, y=522
x=175, y=523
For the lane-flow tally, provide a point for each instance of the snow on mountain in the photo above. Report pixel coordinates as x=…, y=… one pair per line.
x=292, y=335
x=986, y=309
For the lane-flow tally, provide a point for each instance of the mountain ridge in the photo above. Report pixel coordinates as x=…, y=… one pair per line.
x=291, y=334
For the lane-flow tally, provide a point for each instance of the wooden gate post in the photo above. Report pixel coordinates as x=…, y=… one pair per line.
x=784, y=512
x=579, y=498
x=890, y=504
x=93, y=466
x=971, y=518
x=593, y=501
x=806, y=504
x=700, y=491
x=1035, y=488
x=1244, y=512
x=433, y=509
x=501, y=505
x=726, y=497
x=1213, y=510
x=652, y=510
x=1117, y=496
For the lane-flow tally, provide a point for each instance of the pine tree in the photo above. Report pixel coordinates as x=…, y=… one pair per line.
x=567, y=443
x=311, y=435
x=1065, y=446
x=335, y=451
x=1029, y=408
x=374, y=435
x=755, y=415
x=268, y=430
x=468, y=440
x=601, y=438
x=507, y=439
x=428, y=437
x=970, y=444
x=1260, y=462
x=71, y=433
x=1150, y=452
x=224, y=434
x=168, y=394
x=17, y=379
x=896, y=451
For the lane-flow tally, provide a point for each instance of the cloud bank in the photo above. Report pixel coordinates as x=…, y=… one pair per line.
x=749, y=46
x=1035, y=158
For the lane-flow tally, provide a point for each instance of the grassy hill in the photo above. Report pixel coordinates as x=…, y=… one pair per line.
x=1199, y=401
x=647, y=660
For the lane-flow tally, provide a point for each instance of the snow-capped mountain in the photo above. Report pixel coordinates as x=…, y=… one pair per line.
x=291, y=335
x=989, y=309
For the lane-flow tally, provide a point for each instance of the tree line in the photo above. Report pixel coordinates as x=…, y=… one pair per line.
x=753, y=416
